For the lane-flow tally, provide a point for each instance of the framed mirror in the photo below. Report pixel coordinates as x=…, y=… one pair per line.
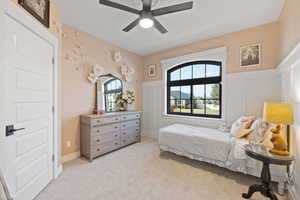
x=108, y=87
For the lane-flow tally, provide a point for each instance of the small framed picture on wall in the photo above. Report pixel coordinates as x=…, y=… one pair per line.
x=250, y=55
x=151, y=71
x=40, y=9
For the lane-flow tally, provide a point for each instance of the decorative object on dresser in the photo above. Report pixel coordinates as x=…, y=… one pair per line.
x=100, y=134
x=124, y=99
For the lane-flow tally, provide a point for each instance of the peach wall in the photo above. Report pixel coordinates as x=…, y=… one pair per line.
x=267, y=35
x=80, y=52
x=289, y=27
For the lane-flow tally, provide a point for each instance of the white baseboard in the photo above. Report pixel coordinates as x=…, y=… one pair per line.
x=69, y=157
x=58, y=171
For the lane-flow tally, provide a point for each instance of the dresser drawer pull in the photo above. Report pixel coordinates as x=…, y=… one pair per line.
x=124, y=117
x=124, y=140
x=136, y=122
x=98, y=149
x=116, y=119
x=116, y=127
x=98, y=121
x=116, y=143
x=137, y=116
x=136, y=129
x=98, y=131
x=98, y=140
x=124, y=133
x=116, y=135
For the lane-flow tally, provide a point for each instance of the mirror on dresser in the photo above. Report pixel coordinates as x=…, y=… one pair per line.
x=107, y=87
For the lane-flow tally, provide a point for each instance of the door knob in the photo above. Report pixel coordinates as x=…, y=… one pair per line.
x=10, y=130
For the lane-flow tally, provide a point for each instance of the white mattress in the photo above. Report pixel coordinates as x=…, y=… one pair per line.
x=205, y=142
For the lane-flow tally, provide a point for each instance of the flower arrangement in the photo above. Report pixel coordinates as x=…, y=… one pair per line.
x=124, y=99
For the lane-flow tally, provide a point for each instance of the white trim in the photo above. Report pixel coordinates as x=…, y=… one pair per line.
x=291, y=59
x=218, y=54
x=27, y=20
x=292, y=194
x=71, y=156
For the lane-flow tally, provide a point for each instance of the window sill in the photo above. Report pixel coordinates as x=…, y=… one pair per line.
x=193, y=117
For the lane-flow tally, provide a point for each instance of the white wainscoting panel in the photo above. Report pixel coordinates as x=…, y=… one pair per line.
x=290, y=73
x=245, y=94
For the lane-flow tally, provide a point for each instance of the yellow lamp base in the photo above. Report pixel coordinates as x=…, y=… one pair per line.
x=280, y=152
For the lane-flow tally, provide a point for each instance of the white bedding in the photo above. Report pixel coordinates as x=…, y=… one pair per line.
x=215, y=147
x=197, y=141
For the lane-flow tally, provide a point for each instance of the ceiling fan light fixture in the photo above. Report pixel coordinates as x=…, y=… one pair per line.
x=146, y=23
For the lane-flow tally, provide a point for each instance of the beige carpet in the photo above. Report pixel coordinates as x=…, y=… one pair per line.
x=139, y=172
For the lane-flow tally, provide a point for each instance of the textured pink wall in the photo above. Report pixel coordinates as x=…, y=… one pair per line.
x=78, y=93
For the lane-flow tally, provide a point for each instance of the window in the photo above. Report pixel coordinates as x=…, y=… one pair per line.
x=195, y=89
x=112, y=89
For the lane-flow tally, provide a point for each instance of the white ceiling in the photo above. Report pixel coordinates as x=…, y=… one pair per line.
x=208, y=18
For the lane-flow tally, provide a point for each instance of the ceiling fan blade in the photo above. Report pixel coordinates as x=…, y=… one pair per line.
x=132, y=25
x=119, y=6
x=159, y=26
x=147, y=5
x=172, y=9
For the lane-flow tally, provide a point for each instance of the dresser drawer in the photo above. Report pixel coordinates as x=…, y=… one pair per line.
x=106, y=120
x=129, y=124
x=106, y=129
x=130, y=131
x=131, y=116
x=129, y=139
x=106, y=147
x=108, y=137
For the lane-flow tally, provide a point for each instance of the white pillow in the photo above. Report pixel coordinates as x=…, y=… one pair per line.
x=257, y=124
x=238, y=124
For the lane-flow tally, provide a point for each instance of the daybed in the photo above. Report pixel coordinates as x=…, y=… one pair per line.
x=215, y=147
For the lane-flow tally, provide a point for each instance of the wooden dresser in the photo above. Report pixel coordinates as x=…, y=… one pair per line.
x=100, y=134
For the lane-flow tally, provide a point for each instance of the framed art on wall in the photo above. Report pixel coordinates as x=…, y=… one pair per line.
x=250, y=55
x=40, y=9
x=151, y=71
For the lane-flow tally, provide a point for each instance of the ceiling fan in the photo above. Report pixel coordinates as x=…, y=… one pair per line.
x=147, y=16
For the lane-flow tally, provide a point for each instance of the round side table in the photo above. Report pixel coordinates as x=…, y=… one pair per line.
x=263, y=154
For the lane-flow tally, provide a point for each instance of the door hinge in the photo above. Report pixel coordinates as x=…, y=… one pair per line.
x=53, y=61
x=53, y=109
x=53, y=157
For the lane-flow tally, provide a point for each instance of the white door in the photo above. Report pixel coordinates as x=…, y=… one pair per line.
x=28, y=98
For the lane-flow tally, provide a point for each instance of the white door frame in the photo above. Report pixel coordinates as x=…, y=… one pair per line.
x=9, y=8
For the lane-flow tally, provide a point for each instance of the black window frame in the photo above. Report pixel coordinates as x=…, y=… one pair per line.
x=107, y=92
x=195, y=81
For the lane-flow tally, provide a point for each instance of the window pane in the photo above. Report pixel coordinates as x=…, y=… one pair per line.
x=118, y=84
x=198, y=71
x=213, y=91
x=212, y=107
x=185, y=92
x=198, y=92
x=175, y=105
x=212, y=70
x=175, y=76
x=186, y=73
x=185, y=106
x=175, y=93
x=198, y=107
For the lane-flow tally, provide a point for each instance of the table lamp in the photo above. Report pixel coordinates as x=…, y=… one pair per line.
x=280, y=114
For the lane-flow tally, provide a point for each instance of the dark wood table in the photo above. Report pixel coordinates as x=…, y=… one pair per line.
x=263, y=154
